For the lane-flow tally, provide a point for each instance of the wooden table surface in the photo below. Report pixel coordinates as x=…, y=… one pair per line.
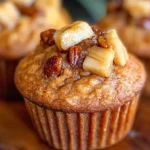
x=17, y=133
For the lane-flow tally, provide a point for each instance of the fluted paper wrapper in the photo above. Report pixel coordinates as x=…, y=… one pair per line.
x=81, y=131
x=146, y=91
x=7, y=85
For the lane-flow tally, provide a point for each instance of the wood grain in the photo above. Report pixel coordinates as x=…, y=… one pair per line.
x=17, y=133
x=14, y=133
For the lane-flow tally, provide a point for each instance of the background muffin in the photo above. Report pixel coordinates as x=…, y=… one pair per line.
x=132, y=22
x=20, y=25
x=80, y=84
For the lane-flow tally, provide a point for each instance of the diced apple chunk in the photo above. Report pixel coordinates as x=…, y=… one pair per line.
x=72, y=35
x=99, y=61
x=9, y=15
x=101, y=54
x=23, y=2
x=138, y=8
x=121, y=55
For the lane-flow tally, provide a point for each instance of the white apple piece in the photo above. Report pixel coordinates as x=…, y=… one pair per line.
x=138, y=8
x=99, y=61
x=121, y=55
x=72, y=35
x=9, y=14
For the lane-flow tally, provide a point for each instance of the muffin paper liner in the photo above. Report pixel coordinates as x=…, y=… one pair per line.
x=64, y=130
x=146, y=91
x=7, y=85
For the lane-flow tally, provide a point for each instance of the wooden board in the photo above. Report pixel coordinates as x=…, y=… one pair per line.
x=17, y=133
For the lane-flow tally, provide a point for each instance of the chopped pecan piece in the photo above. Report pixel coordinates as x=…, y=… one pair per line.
x=74, y=55
x=96, y=30
x=53, y=66
x=102, y=41
x=30, y=11
x=47, y=37
x=114, y=5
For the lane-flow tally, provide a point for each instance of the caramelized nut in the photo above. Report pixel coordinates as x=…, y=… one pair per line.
x=74, y=55
x=47, y=37
x=102, y=41
x=96, y=30
x=30, y=11
x=114, y=5
x=52, y=67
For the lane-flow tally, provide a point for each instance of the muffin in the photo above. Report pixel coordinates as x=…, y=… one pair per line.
x=81, y=87
x=131, y=19
x=20, y=25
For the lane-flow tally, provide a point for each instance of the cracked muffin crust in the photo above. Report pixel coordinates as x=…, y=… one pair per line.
x=86, y=74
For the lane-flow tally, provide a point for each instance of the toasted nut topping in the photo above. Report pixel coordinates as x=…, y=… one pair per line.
x=96, y=30
x=52, y=67
x=47, y=37
x=99, y=61
x=74, y=55
x=121, y=55
x=72, y=35
x=102, y=41
x=114, y=5
x=30, y=11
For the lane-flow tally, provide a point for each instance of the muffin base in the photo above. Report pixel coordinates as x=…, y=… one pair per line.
x=7, y=86
x=63, y=130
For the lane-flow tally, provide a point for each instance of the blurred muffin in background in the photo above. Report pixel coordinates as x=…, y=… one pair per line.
x=131, y=18
x=20, y=25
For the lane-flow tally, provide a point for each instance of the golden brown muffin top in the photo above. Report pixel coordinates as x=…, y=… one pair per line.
x=131, y=18
x=22, y=21
x=79, y=68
